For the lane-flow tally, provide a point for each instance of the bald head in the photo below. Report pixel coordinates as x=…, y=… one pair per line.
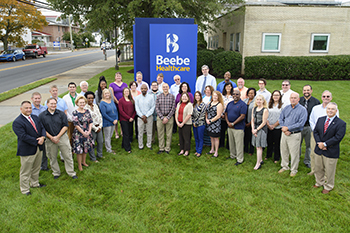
x=294, y=99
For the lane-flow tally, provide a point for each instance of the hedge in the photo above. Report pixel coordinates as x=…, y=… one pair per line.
x=310, y=67
x=204, y=57
x=227, y=61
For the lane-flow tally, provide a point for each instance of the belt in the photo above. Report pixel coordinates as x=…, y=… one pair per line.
x=293, y=132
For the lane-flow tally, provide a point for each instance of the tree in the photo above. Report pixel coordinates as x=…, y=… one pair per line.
x=16, y=17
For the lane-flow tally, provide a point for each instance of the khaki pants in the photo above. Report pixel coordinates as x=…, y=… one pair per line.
x=66, y=152
x=29, y=172
x=312, y=153
x=325, y=171
x=169, y=133
x=290, y=145
x=236, y=144
x=142, y=127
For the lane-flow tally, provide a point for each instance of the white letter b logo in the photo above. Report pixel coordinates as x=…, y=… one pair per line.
x=171, y=45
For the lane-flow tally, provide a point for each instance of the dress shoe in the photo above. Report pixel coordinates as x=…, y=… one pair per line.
x=229, y=158
x=167, y=152
x=74, y=177
x=308, y=165
x=215, y=156
x=28, y=193
x=56, y=177
x=40, y=186
x=161, y=151
x=310, y=173
x=141, y=148
x=238, y=163
x=315, y=186
x=150, y=148
x=44, y=169
x=325, y=191
x=282, y=170
x=292, y=174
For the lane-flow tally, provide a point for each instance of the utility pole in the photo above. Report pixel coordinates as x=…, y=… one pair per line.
x=116, y=47
x=70, y=32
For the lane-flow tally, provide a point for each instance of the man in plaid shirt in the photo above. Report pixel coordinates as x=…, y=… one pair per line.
x=165, y=108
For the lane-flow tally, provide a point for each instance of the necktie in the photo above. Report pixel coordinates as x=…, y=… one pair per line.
x=32, y=122
x=203, y=86
x=326, y=126
x=306, y=104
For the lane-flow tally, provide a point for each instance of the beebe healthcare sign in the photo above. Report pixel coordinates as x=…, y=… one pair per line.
x=173, y=50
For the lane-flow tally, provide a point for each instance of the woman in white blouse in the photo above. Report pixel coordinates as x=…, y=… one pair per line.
x=274, y=128
x=96, y=126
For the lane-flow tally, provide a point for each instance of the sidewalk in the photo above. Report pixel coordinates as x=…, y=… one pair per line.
x=9, y=109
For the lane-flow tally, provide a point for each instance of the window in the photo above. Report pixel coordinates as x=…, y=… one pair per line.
x=238, y=35
x=271, y=42
x=231, y=41
x=216, y=42
x=58, y=28
x=319, y=43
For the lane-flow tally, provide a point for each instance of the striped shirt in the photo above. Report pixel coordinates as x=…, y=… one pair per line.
x=198, y=114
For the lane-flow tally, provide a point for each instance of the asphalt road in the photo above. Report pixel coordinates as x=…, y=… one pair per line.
x=19, y=73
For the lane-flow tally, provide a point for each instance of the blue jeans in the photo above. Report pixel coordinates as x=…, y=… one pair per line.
x=198, y=136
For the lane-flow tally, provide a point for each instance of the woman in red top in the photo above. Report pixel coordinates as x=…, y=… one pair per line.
x=127, y=114
x=183, y=120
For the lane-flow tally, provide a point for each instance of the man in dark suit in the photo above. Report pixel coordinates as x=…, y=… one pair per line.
x=30, y=136
x=328, y=133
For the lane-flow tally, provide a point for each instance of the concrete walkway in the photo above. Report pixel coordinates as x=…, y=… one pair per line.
x=9, y=109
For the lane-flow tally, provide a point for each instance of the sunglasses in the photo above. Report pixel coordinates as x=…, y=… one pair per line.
x=326, y=96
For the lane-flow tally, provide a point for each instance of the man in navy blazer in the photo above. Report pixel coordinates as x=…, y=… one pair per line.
x=30, y=136
x=328, y=133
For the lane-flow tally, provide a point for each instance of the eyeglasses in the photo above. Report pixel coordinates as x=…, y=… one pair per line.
x=285, y=85
x=236, y=94
x=326, y=96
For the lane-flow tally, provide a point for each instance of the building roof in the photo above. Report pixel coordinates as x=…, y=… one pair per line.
x=39, y=33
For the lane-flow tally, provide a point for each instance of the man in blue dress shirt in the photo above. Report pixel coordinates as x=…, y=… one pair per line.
x=37, y=108
x=227, y=77
x=205, y=80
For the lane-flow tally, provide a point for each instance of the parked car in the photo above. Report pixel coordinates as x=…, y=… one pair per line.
x=12, y=55
x=34, y=50
x=107, y=45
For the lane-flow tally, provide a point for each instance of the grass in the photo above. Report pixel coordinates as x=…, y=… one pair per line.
x=147, y=192
x=19, y=90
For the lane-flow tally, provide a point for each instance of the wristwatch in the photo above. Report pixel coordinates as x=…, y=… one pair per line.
x=232, y=124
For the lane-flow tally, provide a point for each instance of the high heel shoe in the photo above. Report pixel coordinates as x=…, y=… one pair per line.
x=258, y=167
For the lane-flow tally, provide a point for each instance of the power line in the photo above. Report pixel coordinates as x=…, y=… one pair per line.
x=36, y=5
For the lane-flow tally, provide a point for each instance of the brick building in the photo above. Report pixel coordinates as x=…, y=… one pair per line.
x=283, y=28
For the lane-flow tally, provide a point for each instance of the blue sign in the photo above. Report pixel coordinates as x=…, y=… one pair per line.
x=56, y=44
x=173, y=50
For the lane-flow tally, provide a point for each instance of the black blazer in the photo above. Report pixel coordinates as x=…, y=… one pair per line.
x=334, y=134
x=26, y=135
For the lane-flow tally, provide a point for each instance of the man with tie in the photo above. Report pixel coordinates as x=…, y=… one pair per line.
x=205, y=80
x=328, y=133
x=30, y=136
x=308, y=101
x=317, y=112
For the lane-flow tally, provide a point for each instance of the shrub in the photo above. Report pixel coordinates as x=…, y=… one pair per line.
x=227, y=61
x=204, y=57
x=218, y=50
x=310, y=67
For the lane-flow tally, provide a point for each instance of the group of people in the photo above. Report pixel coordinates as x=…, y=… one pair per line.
x=244, y=118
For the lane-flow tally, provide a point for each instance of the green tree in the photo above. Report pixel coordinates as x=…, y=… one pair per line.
x=16, y=17
x=75, y=36
x=109, y=14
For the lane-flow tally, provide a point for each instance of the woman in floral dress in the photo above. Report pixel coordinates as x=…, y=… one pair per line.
x=82, y=137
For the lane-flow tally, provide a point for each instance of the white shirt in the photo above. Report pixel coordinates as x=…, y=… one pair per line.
x=317, y=112
x=138, y=88
x=70, y=105
x=211, y=80
x=286, y=96
x=160, y=87
x=174, y=89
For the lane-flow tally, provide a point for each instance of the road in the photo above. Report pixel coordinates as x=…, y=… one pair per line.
x=19, y=73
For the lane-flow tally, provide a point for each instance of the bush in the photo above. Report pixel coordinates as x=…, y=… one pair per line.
x=204, y=57
x=310, y=67
x=218, y=50
x=227, y=61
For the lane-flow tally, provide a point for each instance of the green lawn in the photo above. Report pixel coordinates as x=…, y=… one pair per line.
x=147, y=192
